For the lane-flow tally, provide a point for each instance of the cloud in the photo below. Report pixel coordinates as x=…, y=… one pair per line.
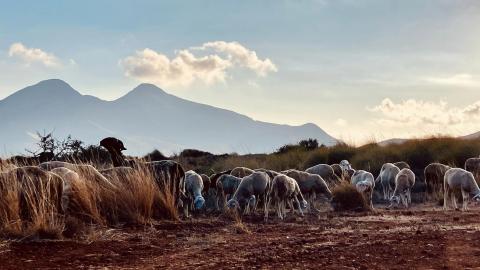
x=33, y=55
x=185, y=67
x=420, y=113
x=341, y=122
x=241, y=56
x=462, y=80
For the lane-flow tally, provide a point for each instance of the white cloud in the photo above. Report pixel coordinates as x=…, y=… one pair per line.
x=33, y=55
x=341, y=122
x=241, y=56
x=462, y=80
x=186, y=67
x=420, y=113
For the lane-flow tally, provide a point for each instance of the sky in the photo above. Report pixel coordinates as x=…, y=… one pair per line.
x=362, y=70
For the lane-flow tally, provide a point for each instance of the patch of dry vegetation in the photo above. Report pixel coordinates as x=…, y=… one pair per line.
x=347, y=198
x=32, y=207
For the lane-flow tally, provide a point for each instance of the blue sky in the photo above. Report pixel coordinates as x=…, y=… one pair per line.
x=359, y=69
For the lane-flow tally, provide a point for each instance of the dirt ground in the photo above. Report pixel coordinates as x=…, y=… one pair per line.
x=419, y=238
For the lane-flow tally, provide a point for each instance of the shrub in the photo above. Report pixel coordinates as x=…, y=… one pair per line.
x=347, y=198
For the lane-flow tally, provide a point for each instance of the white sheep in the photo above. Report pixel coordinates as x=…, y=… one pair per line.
x=283, y=191
x=226, y=185
x=311, y=185
x=241, y=172
x=70, y=178
x=434, y=174
x=457, y=178
x=364, y=182
x=326, y=172
x=251, y=187
x=193, y=189
x=404, y=182
x=387, y=179
x=473, y=165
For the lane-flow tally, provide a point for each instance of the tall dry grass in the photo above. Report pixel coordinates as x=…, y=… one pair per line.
x=31, y=204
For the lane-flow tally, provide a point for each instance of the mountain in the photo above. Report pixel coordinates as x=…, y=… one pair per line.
x=387, y=142
x=473, y=136
x=146, y=118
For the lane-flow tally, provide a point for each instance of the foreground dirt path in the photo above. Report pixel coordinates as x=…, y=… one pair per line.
x=415, y=239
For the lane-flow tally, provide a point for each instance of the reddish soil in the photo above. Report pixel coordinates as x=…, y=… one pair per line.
x=419, y=238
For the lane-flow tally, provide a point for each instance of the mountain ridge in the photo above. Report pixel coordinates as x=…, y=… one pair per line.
x=145, y=118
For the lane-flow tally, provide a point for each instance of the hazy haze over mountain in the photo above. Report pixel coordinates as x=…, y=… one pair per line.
x=146, y=118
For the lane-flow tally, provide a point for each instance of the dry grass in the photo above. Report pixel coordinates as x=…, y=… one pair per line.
x=31, y=205
x=347, y=198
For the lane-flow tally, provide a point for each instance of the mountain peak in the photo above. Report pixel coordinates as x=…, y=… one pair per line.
x=53, y=88
x=57, y=83
x=144, y=90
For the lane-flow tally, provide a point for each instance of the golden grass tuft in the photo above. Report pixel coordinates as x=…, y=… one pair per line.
x=31, y=201
x=347, y=198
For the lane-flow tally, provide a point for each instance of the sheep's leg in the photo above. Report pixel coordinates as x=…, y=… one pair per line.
x=445, y=199
x=370, y=198
x=464, y=200
x=454, y=200
x=299, y=206
x=385, y=195
x=279, y=208
x=266, y=207
x=284, y=209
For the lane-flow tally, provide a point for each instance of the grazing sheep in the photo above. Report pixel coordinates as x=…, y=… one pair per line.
x=402, y=165
x=214, y=178
x=404, y=182
x=460, y=179
x=364, y=182
x=345, y=165
x=193, y=190
x=337, y=170
x=251, y=187
x=206, y=183
x=241, y=172
x=85, y=171
x=69, y=178
x=326, y=172
x=226, y=186
x=284, y=190
x=270, y=173
x=387, y=179
x=473, y=165
x=434, y=174
x=168, y=174
x=310, y=185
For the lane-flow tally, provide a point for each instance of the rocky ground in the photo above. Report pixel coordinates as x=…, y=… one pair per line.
x=419, y=238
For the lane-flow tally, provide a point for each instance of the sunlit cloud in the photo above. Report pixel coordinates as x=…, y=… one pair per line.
x=186, y=67
x=33, y=55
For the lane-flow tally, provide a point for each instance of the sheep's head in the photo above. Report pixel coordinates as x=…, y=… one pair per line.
x=252, y=200
x=345, y=165
x=363, y=186
x=303, y=204
x=199, y=202
x=233, y=204
x=395, y=200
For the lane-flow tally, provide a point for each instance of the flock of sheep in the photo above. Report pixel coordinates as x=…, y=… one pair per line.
x=243, y=188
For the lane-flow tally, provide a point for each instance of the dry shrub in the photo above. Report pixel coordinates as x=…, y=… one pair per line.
x=347, y=198
x=30, y=205
x=237, y=223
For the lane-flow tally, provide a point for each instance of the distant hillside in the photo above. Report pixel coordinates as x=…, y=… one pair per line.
x=145, y=118
x=473, y=136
